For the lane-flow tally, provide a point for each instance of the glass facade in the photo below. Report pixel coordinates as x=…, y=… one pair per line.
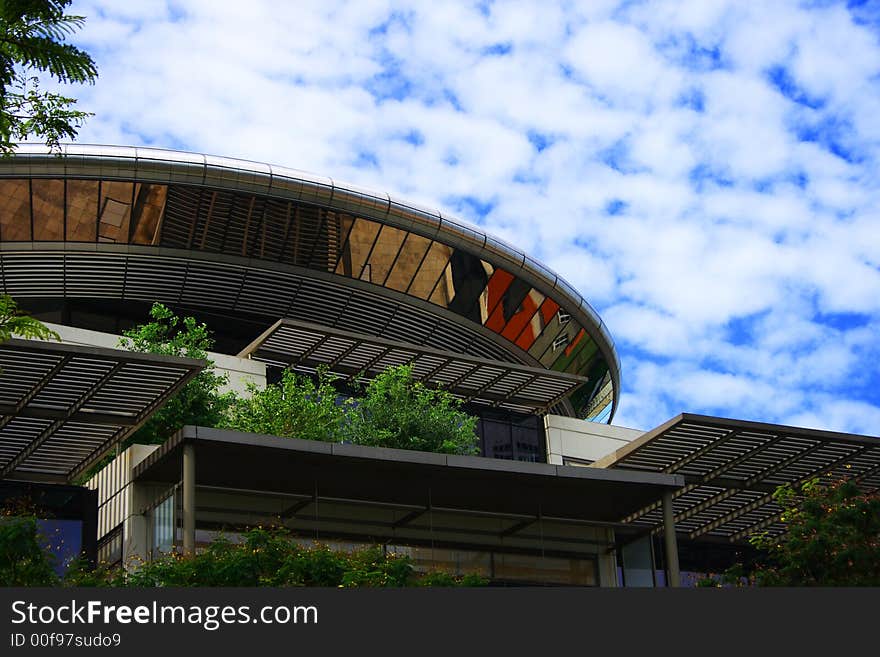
x=512, y=436
x=303, y=235
x=163, y=526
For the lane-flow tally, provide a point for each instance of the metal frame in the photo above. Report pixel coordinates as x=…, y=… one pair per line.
x=386, y=493
x=732, y=467
x=303, y=345
x=62, y=406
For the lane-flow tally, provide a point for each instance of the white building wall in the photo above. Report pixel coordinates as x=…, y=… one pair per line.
x=571, y=441
x=118, y=501
x=241, y=371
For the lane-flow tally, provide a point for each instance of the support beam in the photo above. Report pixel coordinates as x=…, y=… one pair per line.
x=189, y=498
x=673, y=573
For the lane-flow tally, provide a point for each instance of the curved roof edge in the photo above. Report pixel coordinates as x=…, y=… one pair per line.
x=158, y=165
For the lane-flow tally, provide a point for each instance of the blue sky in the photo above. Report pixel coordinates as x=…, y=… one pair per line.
x=704, y=172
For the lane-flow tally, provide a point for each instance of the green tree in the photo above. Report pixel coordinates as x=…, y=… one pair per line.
x=296, y=407
x=32, y=35
x=832, y=538
x=16, y=322
x=398, y=411
x=271, y=557
x=24, y=561
x=200, y=402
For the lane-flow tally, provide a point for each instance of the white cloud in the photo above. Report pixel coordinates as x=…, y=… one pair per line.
x=705, y=172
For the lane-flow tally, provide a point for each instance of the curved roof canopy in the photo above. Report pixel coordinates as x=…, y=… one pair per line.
x=246, y=238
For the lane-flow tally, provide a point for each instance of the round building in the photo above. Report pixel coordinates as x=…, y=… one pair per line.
x=268, y=255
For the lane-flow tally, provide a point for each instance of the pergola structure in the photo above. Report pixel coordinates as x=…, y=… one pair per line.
x=389, y=495
x=63, y=406
x=731, y=469
x=306, y=346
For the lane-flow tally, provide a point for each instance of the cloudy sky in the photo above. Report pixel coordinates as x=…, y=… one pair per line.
x=705, y=172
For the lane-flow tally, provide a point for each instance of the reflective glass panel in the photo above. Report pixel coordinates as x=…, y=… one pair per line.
x=466, y=277
x=149, y=207
x=549, y=570
x=342, y=225
x=408, y=260
x=357, y=249
x=384, y=253
x=506, y=294
x=48, y=201
x=576, y=357
x=163, y=526
x=82, y=210
x=528, y=308
x=536, y=327
x=15, y=211
x=114, y=211
x=433, y=266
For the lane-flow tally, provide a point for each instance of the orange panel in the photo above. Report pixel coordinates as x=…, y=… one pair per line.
x=518, y=322
x=531, y=332
x=495, y=289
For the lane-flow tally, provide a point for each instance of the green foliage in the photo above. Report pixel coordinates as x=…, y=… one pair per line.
x=833, y=538
x=23, y=560
x=397, y=411
x=393, y=410
x=440, y=578
x=32, y=35
x=15, y=322
x=269, y=557
x=200, y=402
x=297, y=407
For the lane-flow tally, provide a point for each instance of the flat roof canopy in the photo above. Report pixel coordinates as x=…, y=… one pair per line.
x=732, y=467
x=63, y=406
x=407, y=484
x=306, y=346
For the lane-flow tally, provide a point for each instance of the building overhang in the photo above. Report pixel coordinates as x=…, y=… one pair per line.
x=731, y=469
x=62, y=406
x=306, y=346
x=394, y=492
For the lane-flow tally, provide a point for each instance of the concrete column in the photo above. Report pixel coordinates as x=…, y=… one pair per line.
x=673, y=574
x=189, y=498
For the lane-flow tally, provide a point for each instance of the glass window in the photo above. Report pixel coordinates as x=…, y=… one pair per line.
x=163, y=526
x=339, y=227
x=511, y=436
x=638, y=568
x=384, y=253
x=496, y=288
x=413, y=251
x=15, y=210
x=48, y=203
x=149, y=207
x=543, y=569
x=361, y=238
x=536, y=327
x=524, y=316
x=427, y=278
x=513, y=302
x=114, y=211
x=110, y=548
x=495, y=438
x=465, y=280
x=82, y=210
